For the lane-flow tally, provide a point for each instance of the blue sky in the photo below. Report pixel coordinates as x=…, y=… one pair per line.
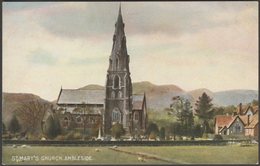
x=193, y=45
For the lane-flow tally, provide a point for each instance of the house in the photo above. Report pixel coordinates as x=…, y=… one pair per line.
x=243, y=122
x=139, y=112
x=252, y=128
x=229, y=125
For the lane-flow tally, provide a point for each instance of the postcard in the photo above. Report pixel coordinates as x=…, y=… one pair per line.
x=124, y=83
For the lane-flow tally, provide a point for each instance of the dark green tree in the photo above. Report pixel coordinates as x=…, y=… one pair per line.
x=14, y=125
x=152, y=127
x=162, y=133
x=117, y=130
x=204, y=111
x=183, y=110
x=52, y=126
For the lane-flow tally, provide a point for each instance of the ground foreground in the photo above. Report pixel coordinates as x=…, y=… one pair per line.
x=231, y=154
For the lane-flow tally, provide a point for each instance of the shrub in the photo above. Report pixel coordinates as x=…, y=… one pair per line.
x=117, y=130
x=52, y=126
x=14, y=125
x=152, y=135
x=217, y=137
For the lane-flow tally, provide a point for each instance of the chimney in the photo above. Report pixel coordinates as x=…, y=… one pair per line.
x=239, y=111
x=234, y=113
x=248, y=120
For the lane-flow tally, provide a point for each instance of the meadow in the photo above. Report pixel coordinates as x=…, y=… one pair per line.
x=230, y=154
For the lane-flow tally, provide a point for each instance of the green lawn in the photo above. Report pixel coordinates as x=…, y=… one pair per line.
x=177, y=154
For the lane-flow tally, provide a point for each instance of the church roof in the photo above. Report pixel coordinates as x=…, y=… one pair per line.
x=80, y=96
x=138, y=101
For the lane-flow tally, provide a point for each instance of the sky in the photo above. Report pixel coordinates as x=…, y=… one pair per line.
x=193, y=45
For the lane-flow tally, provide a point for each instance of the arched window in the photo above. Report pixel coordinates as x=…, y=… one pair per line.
x=119, y=94
x=112, y=94
x=66, y=122
x=116, y=81
x=116, y=115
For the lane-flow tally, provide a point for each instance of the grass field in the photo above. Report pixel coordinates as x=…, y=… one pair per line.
x=173, y=154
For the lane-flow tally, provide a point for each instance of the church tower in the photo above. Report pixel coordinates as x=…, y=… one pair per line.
x=118, y=101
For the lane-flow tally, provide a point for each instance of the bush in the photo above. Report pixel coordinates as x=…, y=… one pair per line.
x=152, y=127
x=217, y=137
x=52, y=126
x=117, y=130
x=152, y=135
x=14, y=125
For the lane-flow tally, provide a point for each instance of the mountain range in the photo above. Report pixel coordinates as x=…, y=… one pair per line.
x=158, y=96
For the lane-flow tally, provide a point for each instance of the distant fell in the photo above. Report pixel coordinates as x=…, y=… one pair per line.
x=11, y=101
x=198, y=92
x=93, y=87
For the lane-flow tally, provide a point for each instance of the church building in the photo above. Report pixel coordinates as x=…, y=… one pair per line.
x=114, y=104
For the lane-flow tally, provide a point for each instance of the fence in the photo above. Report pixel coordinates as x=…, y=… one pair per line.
x=119, y=143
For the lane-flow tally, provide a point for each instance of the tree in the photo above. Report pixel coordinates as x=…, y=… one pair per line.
x=183, y=110
x=14, y=125
x=152, y=127
x=117, y=130
x=32, y=113
x=255, y=102
x=204, y=110
x=162, y=133
x=52, y=126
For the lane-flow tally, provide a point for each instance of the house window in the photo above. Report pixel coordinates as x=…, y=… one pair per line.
x=225, y=132
x=136, y=116
x=238, y=128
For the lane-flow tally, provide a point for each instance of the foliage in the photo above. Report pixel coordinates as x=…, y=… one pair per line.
x=183, y=109
x=217, y=137
x=162, y=118
x=255, y=102
x=31, y=114
x=152, y=135
x=14, y=125
x=204, y=110
x=152, y=127
x=162, y=133
x=52, y=126
x=117, y=130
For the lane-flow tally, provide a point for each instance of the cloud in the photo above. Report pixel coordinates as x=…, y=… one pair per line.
x=211, y=44
x=42, y=57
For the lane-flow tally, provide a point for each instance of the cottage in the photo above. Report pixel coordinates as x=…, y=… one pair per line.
x=243, y=122
x=229, y=125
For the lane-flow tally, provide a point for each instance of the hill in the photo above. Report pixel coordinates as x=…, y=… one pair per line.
x=11, y=101
x=234, y=97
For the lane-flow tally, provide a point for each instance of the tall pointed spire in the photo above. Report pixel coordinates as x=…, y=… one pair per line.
x=119, y=22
